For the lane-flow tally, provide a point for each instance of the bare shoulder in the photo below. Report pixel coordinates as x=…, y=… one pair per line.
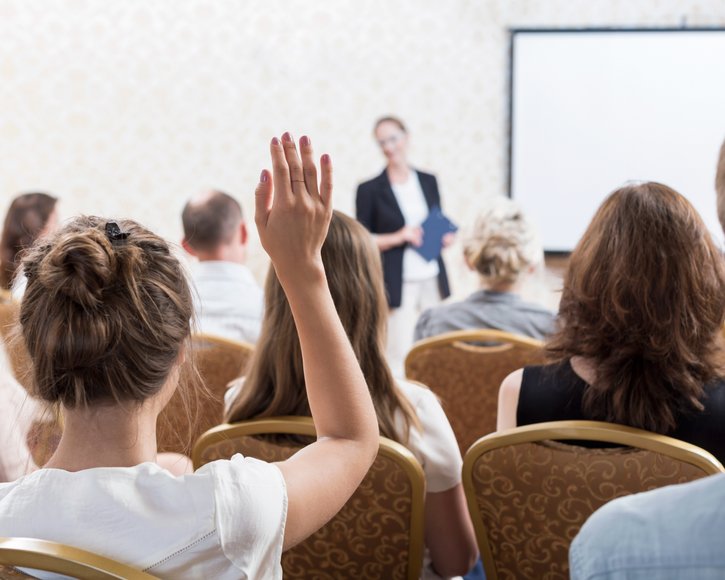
x=508, y=400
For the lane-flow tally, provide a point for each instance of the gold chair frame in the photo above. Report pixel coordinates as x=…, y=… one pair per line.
x=304, y=426
x=475, y=335
x=66, y=560
x=573, y=430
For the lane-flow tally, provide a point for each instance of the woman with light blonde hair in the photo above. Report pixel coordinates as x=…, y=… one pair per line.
x=407, y=413
x=504, y=248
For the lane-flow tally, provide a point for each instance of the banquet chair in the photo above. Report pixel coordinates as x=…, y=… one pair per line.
x=530, y=489
x=465, y=369
x=379, y=531
x=52, y=557
x=191, y=412
x=15, y=349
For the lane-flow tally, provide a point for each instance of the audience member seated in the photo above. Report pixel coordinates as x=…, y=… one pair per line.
x=18, y=412
x=503, y=248
x=674, y=532
x=228, y=300
x=106, y=316
x=669, y=533
x=640, y=340
x=407, y=412
x=30, y=216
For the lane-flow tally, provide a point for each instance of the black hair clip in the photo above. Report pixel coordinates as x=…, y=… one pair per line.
x=114, y=233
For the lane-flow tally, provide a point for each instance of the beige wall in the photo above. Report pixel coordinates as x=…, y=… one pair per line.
x=126, y=108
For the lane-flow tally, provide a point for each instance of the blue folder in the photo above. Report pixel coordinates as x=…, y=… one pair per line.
x=435, y=226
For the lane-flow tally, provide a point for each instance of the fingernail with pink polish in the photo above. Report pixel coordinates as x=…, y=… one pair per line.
x=275, y=141
x=305, y=141
x=287, y=137
x=325, y=158
x=263, y=176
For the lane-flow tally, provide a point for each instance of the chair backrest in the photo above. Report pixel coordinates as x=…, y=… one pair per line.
x=218, y=361
x=465, y=369
x=379, y=531
x=60, y=559
x=20, y=362
x=529, y=493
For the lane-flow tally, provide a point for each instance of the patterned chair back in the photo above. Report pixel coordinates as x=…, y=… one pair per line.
x=465, y=369
x=529, y=493
x=53, y=557
x=379, y=531
x=20, y=363
x=218, y=362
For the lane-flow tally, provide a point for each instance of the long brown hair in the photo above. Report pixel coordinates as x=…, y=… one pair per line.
x=26, y=218
x=275, y=382
x=105, y=313
x=644, y=300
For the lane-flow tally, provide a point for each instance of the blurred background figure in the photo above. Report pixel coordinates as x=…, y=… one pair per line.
x=504, y=248
x=228, y=301
x=392, y=207
x=30, y=216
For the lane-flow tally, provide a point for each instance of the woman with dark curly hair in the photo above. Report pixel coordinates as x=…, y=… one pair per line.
x=640, y=339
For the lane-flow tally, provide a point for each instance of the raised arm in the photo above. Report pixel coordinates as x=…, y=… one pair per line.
x=292, y=215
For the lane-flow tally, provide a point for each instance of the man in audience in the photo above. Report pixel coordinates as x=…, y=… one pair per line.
x=228, y=301
x=668, y=533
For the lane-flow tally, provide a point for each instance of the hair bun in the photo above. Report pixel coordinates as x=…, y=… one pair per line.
x=80, y=266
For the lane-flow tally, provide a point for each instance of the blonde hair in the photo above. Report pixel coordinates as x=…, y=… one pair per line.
x=502, y=243
x=275, y=382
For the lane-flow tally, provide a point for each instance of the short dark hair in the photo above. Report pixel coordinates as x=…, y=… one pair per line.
x=210, y=222
x=390, y=119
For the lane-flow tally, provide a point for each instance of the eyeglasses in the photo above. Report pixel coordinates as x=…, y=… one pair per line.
x=392, y=140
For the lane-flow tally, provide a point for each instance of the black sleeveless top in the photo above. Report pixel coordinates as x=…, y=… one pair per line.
x=554, y=393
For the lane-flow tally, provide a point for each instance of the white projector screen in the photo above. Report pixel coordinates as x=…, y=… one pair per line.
x=593, y=109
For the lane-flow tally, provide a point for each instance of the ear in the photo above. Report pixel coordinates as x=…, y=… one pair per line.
x=243, y=233
x=468, y=262
x=187, y=246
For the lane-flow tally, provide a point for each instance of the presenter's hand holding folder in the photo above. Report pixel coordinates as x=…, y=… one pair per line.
x=435, y=226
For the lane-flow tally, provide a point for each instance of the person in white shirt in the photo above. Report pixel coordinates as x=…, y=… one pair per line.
x=106, y=319
x=392, y=206
x=408, y=413
x=228, y=302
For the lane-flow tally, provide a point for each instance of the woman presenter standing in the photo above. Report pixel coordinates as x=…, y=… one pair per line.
x=392, y=206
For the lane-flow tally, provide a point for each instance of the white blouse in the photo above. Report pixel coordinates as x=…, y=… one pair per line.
x=224, y=521
x=434, y=446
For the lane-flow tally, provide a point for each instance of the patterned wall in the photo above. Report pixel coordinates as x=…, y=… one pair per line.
x=127, y=108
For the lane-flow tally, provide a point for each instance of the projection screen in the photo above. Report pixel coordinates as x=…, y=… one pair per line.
x=593, y=109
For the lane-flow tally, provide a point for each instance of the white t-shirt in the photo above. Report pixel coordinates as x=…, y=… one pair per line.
x=228, y=301
x=226, y=521
x=414, y=208
x=435, y=446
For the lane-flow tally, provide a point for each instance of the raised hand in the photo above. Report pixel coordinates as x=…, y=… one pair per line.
x=292, y=211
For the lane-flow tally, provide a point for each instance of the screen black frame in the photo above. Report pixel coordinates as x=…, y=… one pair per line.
x=513, y=32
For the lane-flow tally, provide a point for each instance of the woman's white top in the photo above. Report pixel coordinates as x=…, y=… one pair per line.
x=434, y=446
x=414, y=208
x=225, y=521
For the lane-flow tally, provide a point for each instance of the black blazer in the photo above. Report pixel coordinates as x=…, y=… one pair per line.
x=378, y=210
